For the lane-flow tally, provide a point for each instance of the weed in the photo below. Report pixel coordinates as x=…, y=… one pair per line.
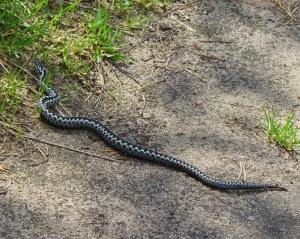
x=10, y=92
x=58, y=30
x=285, y=134
x=17, y=26
x=67, y=99
x=111, y=94
x=19, y=133
x=103, y=36
x=139, y=196
x=135, y=22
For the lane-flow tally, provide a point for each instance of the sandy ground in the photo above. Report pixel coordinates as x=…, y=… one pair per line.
x=200, y=77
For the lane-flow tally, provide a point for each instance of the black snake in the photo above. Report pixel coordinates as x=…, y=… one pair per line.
x=126, y=147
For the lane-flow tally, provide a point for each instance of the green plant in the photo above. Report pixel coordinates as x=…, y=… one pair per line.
x=133, y=21
x=139, y=196
x=19, y=133
x=76, y=35
x=111, y=94
x=122, y=5
x=10, y=92
x=103, y=37
x=18, y=29
x=282, y=132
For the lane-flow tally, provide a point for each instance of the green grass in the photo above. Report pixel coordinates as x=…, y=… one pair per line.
x=11, y=92
x=18, y=28
x=138, y=197
x=72, y=36
x=284, y=132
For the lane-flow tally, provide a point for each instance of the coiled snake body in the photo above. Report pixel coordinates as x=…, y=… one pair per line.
x=126, y=147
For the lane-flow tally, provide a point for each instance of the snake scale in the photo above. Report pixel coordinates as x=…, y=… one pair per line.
x=52, y=98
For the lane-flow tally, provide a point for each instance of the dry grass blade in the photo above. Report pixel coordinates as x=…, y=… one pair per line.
x=289, y=8
x=4, y=169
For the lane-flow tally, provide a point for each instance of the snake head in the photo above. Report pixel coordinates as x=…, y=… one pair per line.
x=41, y=69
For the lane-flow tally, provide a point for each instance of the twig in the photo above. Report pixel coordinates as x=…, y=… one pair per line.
x=255, y=135
x=37, y=164
x=57, y=145
x=154, y=84
x=176, y=90
x=3, y=189
x=71, y=149
x=205, y=81
x=183, y=24
x=3, y=66
x=7, y=185
x=128, y=74
x=21, y=68
x=216, y=41
x=210, y=56
x=4, y=169
x=242, y=171
x=208, y=53
x=252, y=204
x=134, y=46
x=91, y=223
x=144, y=105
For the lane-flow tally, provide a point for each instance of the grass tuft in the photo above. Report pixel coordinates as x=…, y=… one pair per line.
x=289, y=9
x=18, y=28
x=10, y=92
x=283, y=132
x=72, y=35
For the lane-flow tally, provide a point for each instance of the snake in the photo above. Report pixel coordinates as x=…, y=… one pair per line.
x=52, y=98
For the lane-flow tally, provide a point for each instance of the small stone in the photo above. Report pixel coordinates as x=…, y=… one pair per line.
x=165, y=27
x=281, y=229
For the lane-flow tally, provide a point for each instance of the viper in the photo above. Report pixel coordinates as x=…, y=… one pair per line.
x=52, y=98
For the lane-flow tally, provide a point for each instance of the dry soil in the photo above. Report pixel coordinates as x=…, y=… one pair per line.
x=195, y=90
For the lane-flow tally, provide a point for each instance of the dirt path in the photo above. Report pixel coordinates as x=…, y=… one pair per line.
x=196, y=90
